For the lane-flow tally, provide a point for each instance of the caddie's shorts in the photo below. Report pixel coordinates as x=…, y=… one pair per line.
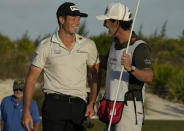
x=128, y=118
x=63, y=113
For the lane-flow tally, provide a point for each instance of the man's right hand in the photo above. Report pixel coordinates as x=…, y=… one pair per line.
x=27, y=121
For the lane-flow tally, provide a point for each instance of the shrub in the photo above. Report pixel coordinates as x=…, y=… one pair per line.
x=162, y=74
x=176, y=86
x=15, y=57
x=103, y=43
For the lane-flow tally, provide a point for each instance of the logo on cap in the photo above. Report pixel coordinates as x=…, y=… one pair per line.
x=73, y=8
x=106, y=11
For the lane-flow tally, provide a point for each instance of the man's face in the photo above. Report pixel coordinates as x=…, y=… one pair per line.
x=70, y=24
x=112, y=26
x=18, y=92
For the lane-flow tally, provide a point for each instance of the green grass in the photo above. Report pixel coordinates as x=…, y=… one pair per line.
x=163, y=125
x=98, y=126
x=150, y=125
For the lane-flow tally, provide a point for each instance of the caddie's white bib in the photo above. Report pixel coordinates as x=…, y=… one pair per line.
x=113, y=72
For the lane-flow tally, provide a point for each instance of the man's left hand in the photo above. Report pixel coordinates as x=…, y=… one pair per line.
x=89, y=110
x=125, y=61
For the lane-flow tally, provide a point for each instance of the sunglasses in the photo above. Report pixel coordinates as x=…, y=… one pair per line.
x=18, y=89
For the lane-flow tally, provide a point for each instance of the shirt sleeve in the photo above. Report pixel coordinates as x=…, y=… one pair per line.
x=35, y=112
x=40, y=55
x=142, y=56
x=93, y=57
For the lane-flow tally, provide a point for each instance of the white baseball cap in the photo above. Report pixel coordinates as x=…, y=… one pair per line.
x=116, y=11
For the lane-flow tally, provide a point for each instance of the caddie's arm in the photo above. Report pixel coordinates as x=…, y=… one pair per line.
x=145, y=74
x=33, y=74
x=94, y=88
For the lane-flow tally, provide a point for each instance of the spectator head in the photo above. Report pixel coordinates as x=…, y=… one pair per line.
x=18, y=87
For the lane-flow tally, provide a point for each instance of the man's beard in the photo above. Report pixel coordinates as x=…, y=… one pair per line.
x=18, y=95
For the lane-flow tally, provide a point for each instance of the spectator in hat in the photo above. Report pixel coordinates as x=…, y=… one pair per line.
x=63, y=58
x=137, y=64
x=12, y=107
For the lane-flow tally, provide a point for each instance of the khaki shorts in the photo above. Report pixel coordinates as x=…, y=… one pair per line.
x=128, y=118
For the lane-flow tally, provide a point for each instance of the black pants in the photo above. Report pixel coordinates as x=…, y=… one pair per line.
x=60, y=113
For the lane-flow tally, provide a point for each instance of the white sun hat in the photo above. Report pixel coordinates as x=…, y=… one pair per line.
x=116, y=11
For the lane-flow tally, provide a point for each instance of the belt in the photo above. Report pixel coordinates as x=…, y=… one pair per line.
x=65, y=98
x=132, y=94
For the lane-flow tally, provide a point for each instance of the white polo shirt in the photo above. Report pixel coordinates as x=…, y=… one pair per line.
x=65, y=72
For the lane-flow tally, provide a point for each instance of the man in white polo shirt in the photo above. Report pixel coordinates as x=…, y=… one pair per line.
x=63, y=58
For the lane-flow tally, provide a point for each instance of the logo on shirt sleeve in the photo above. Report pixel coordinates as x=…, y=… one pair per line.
x=57, y=51
x=80, y=37
x=147, y=61
x=80, y=51
x=34, y=55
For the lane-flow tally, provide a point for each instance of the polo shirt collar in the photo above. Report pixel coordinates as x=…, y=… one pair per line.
x=55, y=38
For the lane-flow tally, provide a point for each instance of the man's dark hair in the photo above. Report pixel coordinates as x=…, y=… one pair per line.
x=58, y=19
x=126, y=25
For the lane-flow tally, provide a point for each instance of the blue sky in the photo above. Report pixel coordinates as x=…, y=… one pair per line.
x=38, y=16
